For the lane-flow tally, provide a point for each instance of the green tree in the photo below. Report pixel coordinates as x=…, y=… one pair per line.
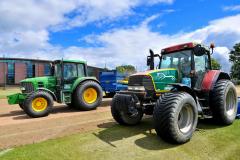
x=234, y=57
x=126, y=69
x=215, y=64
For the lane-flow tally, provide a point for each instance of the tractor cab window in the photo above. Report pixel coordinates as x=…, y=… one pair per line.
x=81, y=70
x=180, y=60
x=201, y=63
x=69, y=71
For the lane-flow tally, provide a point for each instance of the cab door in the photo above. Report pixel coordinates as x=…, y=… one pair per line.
x=201, y=67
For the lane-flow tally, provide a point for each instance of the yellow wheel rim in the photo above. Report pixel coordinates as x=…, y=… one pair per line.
x=90, y=95
x=39, y=104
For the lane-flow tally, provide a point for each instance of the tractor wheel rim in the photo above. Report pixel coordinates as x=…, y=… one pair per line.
x=39, y=104
x=185, y=118
x=230, y=102
x=90, y=95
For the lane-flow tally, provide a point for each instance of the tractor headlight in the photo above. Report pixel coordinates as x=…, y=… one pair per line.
x=22, y=88
x=136, y=88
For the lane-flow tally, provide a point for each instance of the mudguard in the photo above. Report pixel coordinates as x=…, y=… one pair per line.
x=82, y=79
x=183, y=87
x=211, y=77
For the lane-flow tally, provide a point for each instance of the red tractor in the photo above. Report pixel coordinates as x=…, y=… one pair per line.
x=182, y=89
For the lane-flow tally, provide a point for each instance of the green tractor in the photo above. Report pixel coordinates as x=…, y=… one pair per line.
x=183, y=89
x=69, y=84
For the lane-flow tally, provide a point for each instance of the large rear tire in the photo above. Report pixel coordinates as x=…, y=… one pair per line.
x=223, y=102
x=175, y=117
x=38, y=104
x=120, y=110
x=87, y=96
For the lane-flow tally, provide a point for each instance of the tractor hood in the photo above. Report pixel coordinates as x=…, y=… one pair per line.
x=48, y=82
x=158, y=79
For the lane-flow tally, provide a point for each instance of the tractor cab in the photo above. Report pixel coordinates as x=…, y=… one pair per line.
x=66, y=73
x=191, y=61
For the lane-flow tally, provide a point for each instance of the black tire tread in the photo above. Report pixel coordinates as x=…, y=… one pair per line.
x=120, y=101
x=217, y=101
x=77, y=100
x=28, y=108
x=163, y=116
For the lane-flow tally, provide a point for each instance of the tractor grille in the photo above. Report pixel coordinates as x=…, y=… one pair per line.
x=28, y=87
x=141, y=80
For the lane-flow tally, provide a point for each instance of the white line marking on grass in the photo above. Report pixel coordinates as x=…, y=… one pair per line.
x=5, y=151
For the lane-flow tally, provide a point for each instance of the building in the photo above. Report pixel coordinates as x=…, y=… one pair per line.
x=13, y=70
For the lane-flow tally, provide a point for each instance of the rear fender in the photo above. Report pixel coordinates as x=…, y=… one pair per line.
x=211, y=77
x=81, y=80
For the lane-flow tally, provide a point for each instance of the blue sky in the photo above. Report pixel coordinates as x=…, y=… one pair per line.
x=115, y=32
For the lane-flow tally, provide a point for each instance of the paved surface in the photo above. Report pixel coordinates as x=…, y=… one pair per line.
x=16, y=128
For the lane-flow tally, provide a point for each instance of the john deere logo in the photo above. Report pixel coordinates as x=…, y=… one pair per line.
x=162, y=76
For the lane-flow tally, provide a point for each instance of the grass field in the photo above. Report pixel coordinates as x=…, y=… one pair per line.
x=113, y=142
x=8, y=91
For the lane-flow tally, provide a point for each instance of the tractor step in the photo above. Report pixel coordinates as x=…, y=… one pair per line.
x=67, y=97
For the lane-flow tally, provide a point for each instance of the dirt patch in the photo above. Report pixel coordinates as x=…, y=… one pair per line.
x=16, y=128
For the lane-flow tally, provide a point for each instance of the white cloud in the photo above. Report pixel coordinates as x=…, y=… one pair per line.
x=25, y=25
x=122, y=46
x=232, y=8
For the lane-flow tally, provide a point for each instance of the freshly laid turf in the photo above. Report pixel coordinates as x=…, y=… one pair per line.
x=8, y=91
x=113, y=141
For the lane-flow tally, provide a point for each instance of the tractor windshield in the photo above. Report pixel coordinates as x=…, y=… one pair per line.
x=180, y=60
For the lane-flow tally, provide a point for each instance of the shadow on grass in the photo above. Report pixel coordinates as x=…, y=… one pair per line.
x=114, y=132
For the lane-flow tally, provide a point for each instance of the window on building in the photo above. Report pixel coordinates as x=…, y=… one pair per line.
x=11, y=73
x=30, y=70
x=47, y=69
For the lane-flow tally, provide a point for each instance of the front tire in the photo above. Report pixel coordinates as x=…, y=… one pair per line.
x=87, y=96
x=223, y=102
x=38, y=104
x=120, y=110
x=175, y=117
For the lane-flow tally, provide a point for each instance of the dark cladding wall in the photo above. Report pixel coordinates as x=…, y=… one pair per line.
x=20, y=72
x=18, y=69
x=39, y=70
x=94, y=71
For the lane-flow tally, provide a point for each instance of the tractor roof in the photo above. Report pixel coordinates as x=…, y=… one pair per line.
x=71, y=61
x=180, y=47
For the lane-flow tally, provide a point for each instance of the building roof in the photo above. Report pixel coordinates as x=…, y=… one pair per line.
x=25, y=59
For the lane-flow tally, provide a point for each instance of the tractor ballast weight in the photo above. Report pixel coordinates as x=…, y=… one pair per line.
x=182, y=89
x=68, y=84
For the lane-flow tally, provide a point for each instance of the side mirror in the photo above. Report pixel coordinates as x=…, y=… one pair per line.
x=198, y=50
